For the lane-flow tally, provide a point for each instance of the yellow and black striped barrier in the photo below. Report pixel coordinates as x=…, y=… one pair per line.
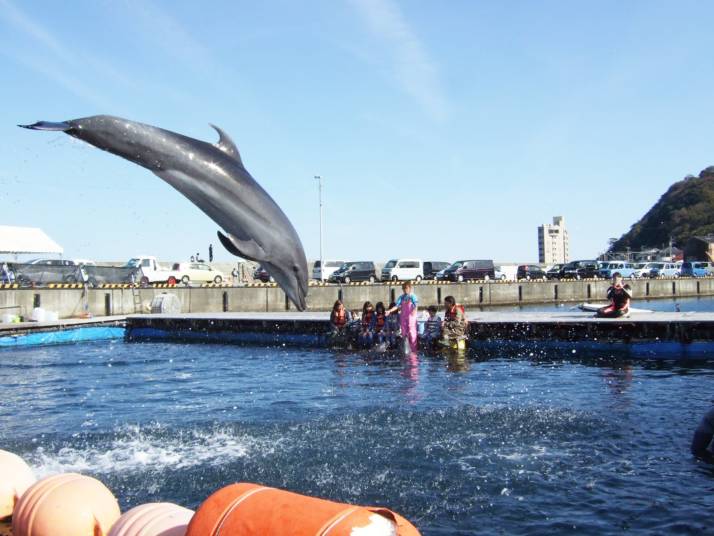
x=116, y=285
x=216, y=285
x=65, y=285
x=9, y=285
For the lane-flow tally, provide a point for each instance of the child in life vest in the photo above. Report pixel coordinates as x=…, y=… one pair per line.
x=432, y=327
x=365, y=337
x=407, y=305
x=392, y=333
x=454, y=324
x=379, y=323
x=339, y=319
x=619, y=297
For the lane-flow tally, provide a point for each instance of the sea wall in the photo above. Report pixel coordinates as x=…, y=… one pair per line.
x=70, y=302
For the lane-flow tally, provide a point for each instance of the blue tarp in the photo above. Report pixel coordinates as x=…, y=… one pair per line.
x=65, y=336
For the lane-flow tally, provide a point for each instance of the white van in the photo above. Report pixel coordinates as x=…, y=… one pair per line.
x=403, y=270
x=330, y=268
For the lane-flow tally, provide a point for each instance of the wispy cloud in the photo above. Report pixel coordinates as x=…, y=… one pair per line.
x=410, y=62
x=57, y=61
x=167, y=33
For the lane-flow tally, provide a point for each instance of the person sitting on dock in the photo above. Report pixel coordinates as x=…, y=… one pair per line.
x=432, y=327
x=392, y=331
x=454, y=325
x=339, y=317
x=703, y=437
x=379, y=323
x=619, y=296
x=365, y=337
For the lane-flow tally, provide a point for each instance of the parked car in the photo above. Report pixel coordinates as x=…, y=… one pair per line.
x=199, y=272
x=329, y=269
x=579, y=270
x=554, y=271
x=506, y=271
x=403, y=270
x=431, y=268
x=665, y=269
x=470, y=269
x=150, y=270
x=261, y=274
x=642, y=269
x=626, y=269
x=530, y=271
x=696, y=269
x=52, y=262
x=355, y=271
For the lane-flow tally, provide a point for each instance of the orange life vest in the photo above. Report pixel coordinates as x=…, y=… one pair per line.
x=340, y=318
x=451, y=313
x=367, y=319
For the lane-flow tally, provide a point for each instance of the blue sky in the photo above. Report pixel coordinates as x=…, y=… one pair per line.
x=442, y=130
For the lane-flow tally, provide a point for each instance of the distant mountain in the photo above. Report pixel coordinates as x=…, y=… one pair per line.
x=684, y=211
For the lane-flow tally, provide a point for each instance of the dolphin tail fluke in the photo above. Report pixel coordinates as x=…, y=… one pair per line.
x=48, y=125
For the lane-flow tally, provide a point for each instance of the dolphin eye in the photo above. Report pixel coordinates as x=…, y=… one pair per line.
x=296, y=269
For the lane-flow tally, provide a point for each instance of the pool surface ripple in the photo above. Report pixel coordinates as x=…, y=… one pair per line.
x=516, y=444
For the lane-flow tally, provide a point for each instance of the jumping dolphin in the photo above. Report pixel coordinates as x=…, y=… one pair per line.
x=214, y=179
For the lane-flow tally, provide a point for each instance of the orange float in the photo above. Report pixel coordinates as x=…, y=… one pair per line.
x=16, y=478
x=153, y=519
x=65, y=505
x=249, y=509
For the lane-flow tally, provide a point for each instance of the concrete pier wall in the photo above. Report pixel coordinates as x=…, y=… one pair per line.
x=119, y=301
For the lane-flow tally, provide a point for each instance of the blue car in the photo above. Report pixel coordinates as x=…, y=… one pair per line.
x=697, y=269
x=625, y=269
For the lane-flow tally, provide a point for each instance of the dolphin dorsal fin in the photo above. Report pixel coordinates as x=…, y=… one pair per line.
x=225, y=144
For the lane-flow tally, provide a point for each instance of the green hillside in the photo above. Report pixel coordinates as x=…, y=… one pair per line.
x=685, y=210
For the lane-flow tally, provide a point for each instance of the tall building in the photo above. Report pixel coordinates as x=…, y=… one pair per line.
x=553, y=246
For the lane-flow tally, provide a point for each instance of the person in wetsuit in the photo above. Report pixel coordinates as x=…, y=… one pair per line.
x=619, y=296
x=703, y=436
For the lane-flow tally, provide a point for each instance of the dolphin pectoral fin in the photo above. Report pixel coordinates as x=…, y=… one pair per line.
x=248, y=249
x=48, y=125
x=225, y=144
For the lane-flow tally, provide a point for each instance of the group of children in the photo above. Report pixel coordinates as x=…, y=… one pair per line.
x=398, y=324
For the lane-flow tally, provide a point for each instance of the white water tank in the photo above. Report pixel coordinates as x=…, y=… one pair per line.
x=168, y=304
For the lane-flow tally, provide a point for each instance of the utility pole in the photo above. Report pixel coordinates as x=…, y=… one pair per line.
x=318, y=178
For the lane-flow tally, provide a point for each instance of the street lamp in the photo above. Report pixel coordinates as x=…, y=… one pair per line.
x=318, y=178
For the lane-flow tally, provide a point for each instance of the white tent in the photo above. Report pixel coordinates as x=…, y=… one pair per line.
x=18, y=240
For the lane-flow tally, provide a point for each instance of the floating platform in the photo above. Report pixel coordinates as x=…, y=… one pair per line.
x=654, y=335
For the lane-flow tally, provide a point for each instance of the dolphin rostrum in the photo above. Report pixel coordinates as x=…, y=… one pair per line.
x=214, y=179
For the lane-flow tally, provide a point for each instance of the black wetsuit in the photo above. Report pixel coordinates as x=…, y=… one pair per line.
x=619, y=297
x=703, y=436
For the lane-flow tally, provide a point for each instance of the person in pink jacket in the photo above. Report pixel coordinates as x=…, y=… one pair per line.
x=407, y=305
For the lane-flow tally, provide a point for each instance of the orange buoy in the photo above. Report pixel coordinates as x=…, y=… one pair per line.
x=153, y=519
x=16, y=478
x=65, y=505
x=250, y=509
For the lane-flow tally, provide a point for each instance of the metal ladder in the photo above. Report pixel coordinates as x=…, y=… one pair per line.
x=136, y=295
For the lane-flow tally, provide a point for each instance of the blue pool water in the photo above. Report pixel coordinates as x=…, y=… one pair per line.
x=507, y=445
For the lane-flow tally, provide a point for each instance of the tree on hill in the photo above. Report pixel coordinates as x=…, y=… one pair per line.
x=685, y=210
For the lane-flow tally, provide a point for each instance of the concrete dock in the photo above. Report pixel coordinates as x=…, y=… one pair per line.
x=124, y=299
